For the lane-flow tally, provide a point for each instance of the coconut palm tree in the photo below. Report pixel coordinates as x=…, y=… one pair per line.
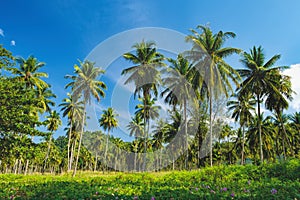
x=258, y=77
x=44, y=95
x=277, y=102
x=28, y=72
x=53, y=122
x=147, y=110
x=241, y=111
x=85, y=84
x=144, y=74
x=108, y=121
x=135, y=126
x=179, y=88
x=73, y=108
x=207, y=55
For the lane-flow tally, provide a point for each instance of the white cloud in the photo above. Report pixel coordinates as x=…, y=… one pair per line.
x=1, y=32
x=13, y=43
x=294, y=72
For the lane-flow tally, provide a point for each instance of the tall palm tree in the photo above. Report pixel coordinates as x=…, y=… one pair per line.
x=28, y=72
x=144, y=74
x=53, y=122
x=259, y=79
x=295, y=118
x=241, y=111
x=207, y=55
x=85, y=84
x=277, y=102
x=179, y=88
x=73, y=108
x=108, y=121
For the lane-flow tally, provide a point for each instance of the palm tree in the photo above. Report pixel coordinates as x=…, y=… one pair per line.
x=207, y=55
x=135, y=127
x=85, y=84
x=74, y=110
x=241, y=111
x=53, y=122
x=44, y=95
x=179, y=87
x=108, y=121
x=277, y=102
x=147, y=110
x=259, y=79
x=295, y=118
x=28, y=72
x=144, y=74
x=268, y=135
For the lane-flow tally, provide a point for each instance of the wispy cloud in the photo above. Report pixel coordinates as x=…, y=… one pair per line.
x=1, y=32
x=13, y=43
x=294, y=72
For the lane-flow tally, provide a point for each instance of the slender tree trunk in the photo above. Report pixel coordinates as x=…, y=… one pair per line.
x=210, y=129
x=186, y=134
x=145, y=139
x=16, y=166
x=26, y=167
x=96, y=160
x=69, y=143
x=243, y=146
x=80, y=139
x=106, y=147
x=72, y=153
x=259, y=130
x=48, y=151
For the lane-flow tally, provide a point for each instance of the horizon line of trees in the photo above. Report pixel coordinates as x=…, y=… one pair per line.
x=197, y=85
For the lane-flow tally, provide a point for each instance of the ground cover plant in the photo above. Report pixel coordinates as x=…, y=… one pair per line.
x=268, y=181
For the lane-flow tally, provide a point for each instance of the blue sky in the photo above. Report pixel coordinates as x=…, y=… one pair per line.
x=59, y=32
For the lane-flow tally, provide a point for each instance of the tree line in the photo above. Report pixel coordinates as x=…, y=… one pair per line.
x=192, y=85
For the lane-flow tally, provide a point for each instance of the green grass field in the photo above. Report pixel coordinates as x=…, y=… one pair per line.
x=270, y=181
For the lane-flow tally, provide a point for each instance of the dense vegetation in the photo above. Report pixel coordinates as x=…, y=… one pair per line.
x=273, y=181
x=197, y=85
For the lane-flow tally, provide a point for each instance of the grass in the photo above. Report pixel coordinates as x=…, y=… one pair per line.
x=270, y=181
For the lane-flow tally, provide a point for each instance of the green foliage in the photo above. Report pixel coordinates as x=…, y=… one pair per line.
x=273, y=181
x=16, y=106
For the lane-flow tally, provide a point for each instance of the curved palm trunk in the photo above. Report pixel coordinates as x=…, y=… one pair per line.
x=210, y=129
x=80, y=139
x=186, y=134
x=69, y=143
x=259, y=130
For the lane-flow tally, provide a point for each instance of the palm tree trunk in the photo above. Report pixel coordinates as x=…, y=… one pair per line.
x=48, y=151
x=69, y=143
x=186, y=134
x=243, y=145
x=96, y=159
x=210, y=129
x=26, y=167
x=145, y=135
x=106, y=147
x=259, y=130
x=80, y=139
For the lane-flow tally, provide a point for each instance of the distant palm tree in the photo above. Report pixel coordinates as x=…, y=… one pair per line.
x=147, y=110
x=241, y=111
x=53, y=122
x=144, y=74
x=44, y=95
x=268, y=136
x=135, y=127
x=178, y=83
x=207, y=55
x=85, y=84
x=108, y=121
x=259, y=79
x=28, y=72
x=73, y=108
